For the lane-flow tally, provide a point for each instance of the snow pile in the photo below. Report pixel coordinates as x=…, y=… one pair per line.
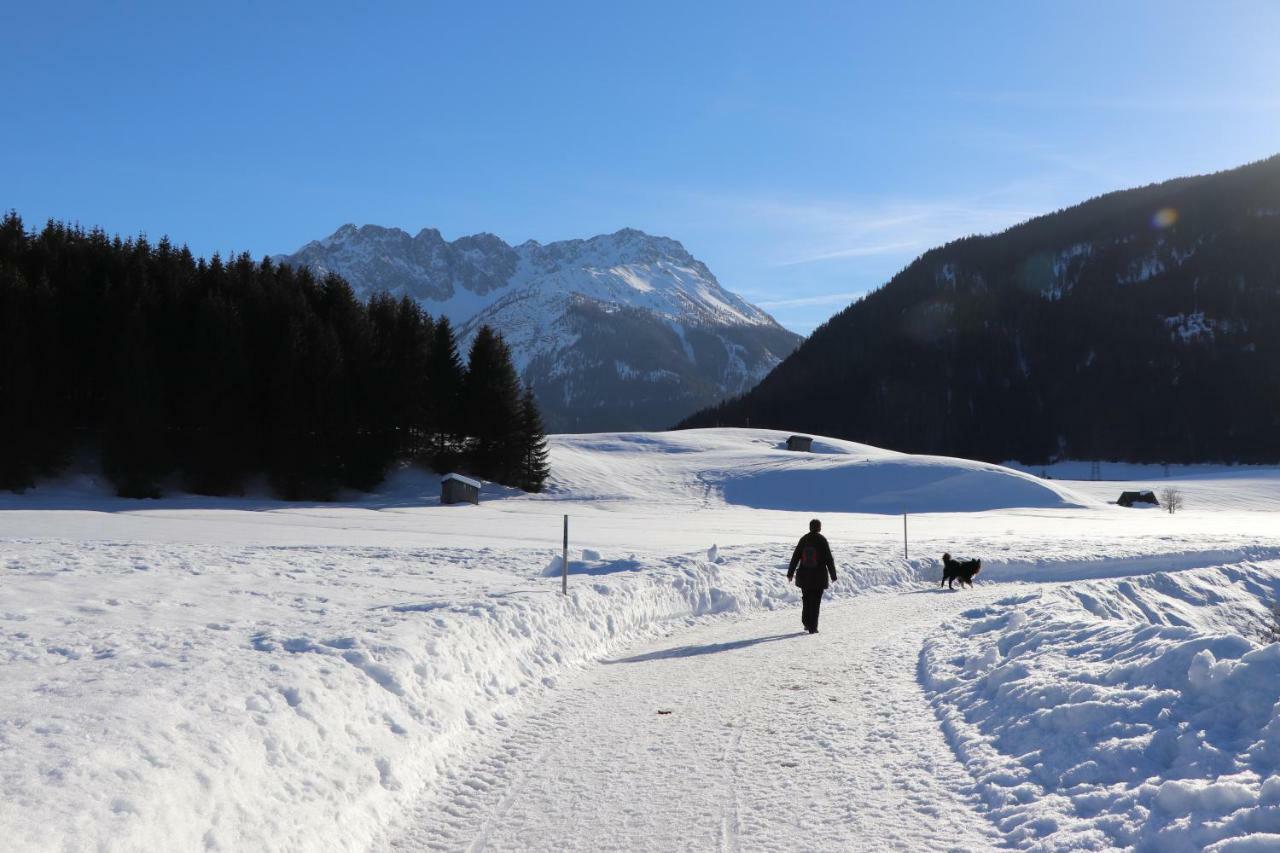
x=752, y=468
x=1138, y=712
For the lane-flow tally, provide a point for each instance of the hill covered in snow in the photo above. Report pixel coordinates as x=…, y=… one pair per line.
x=753, y=469
x=619, y=331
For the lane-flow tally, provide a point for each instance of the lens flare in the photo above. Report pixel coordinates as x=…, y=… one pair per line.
x=1165, y=217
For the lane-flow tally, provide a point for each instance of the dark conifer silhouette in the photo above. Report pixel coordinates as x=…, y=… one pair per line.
x=201, y=374
x=444, y=396
x=534, y=460
x=491, y=403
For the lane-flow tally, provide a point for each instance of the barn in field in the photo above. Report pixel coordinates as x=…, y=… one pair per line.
x=802, y=443
x=457, y=489
x=1133, y=498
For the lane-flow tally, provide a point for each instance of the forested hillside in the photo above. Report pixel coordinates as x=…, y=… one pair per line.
x=202, y=374
x=1142, y=325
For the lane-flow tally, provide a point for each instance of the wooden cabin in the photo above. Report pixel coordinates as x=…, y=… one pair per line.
x=457, y=489
x=802, y=443
x=1144, y=497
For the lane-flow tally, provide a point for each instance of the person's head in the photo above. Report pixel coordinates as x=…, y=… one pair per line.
x=815, y=526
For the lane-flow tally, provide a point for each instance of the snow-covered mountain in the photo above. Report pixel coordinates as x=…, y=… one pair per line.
x=620, y=331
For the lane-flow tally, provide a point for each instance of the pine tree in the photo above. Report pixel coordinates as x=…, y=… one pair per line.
x=31, y=435
x=491, y=402
x=534, y=466
x=134, y=447
x=442, y=413
x=410, y=350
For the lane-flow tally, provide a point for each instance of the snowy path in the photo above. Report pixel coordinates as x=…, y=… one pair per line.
x=775, y=740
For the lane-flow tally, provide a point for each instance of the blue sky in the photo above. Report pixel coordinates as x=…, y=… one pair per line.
x=805, y=151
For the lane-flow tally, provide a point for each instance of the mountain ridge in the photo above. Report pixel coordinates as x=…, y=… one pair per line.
x=617, y=331
x=1140, y=325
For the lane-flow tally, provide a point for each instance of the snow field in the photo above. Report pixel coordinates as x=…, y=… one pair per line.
x=246, y=674
x=1139, y=712
x=289, y=698
x=201, y=697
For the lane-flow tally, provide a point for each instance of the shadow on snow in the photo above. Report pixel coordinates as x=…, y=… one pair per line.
x=704, y=649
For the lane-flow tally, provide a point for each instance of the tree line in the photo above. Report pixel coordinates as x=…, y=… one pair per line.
x=203, y=374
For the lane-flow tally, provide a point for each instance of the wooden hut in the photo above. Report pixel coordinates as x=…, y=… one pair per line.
x=1144, y=497
x=802, y=443
x=457, y=489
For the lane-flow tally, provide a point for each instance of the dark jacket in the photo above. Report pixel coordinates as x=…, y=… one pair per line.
x=815, y=577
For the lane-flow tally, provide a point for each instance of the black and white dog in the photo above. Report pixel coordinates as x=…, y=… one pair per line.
x=958, y=570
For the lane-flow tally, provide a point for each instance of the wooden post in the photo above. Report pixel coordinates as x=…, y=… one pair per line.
x=564, y=561
x=904, y=537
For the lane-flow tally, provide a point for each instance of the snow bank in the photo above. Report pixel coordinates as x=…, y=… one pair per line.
x=1138, y=712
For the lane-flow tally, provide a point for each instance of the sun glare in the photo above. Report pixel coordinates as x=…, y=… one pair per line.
x=1165, y=217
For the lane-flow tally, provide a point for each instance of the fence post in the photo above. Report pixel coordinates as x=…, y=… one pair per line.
x=904, y=537
x=564, y=560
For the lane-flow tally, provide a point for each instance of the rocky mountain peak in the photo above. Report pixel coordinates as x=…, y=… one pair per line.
x=629, y=309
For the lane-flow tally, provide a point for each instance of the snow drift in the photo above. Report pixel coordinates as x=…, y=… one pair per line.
x=1138, y=713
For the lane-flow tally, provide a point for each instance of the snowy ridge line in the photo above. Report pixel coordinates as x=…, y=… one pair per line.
x=1138, y=712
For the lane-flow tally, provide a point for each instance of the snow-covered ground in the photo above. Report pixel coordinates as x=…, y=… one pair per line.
x=195, y=673
x=1140, y=712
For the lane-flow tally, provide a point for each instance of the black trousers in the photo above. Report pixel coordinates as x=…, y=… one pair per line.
x=812, y=602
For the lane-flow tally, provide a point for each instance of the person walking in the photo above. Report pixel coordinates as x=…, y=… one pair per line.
x=811, y=563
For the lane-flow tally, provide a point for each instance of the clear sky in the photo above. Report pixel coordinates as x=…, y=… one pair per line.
x=805, y=151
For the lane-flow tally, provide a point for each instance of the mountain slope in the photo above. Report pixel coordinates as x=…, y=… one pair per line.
x=621, y=331
x=1143, y=325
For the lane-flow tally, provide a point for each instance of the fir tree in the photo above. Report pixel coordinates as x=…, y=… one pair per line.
x=32, y=439
x=442, y=415
x=491, y=402
x=534, y=466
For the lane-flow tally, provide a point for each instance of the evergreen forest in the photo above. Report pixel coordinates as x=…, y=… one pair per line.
x=173, y=371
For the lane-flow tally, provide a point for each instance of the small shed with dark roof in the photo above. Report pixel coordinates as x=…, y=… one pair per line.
x=457, y=489
x=802, y=443
x=1143, y=497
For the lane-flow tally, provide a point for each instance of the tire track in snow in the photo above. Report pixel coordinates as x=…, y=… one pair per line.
x=729, y=827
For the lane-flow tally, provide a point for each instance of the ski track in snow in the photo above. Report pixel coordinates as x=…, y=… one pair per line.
x=785, y=740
